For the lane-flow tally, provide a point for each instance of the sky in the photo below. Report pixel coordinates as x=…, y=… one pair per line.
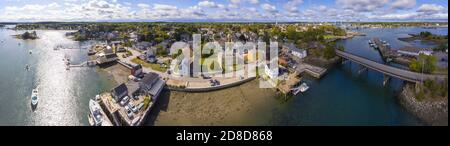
x=222, y=10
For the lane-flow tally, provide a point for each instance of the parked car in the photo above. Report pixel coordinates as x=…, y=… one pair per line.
x=134, y=108
x=129, y=114
x=136, y=97
x=124, y=100
x=140, y=106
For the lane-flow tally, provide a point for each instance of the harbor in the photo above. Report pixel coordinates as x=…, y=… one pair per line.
x=65, y=95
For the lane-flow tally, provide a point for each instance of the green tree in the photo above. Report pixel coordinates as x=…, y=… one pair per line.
x=329, y=51
x=425, y=63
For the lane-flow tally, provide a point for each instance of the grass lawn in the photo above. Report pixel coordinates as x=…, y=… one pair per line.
x=153, y=66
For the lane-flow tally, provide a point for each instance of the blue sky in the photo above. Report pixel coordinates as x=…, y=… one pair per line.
x=223, y=10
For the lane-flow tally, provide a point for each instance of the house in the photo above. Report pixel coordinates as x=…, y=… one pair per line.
x=136, y=70
x=106, y=56
x=102, y=58
x=299, y=53
x=119, y=92
x=150, y=56
x=152, y=85
x=133, y=37
x=411, y=51
x=143, y=45
x=271, y=72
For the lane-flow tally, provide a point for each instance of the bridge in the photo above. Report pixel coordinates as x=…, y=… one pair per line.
x=405, y=75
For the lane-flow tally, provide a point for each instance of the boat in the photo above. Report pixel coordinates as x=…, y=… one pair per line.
x=31, y=51
x=304, y=87
x=34, y=98
x=27, y=67
x=95, y=113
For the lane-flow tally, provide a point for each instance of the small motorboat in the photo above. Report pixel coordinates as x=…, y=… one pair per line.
x=31, y=51
x=304, y=87
x=27, y=67
x=34, y=98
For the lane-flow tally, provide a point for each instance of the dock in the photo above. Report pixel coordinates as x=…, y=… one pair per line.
x=383, y=48
x=287, y=85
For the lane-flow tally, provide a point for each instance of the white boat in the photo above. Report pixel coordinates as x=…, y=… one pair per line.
x=304, y=87
x=31, y=52
x=96, y=113
x=34, y=98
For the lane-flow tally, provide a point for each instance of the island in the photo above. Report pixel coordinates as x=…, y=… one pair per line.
x=428, y=37
x=27, y=36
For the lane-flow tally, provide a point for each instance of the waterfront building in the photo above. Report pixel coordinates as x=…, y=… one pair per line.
x=136, y=70
x=414, y=52
x=271, y=72
x=119, y=92
x=152, y=85
x=299, y=53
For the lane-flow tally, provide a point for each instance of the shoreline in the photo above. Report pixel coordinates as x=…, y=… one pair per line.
x=432, y=112
x=240, y=105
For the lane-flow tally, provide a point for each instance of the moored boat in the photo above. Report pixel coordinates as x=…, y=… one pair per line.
x=34, y=98
x=95, y=113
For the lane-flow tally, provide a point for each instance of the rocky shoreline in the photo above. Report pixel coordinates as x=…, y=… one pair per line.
x=431, y=111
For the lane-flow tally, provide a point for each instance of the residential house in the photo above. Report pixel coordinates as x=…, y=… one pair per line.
x=271, y=72
x=299, y=53
x=143, y=45
x=136, y=70
x=119, y=92
x=106, y=56
x=150, y=56
x=152, y=85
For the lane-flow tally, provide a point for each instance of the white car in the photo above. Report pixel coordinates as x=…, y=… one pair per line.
x=134, y=108
x=129, y=114
x=124, y=100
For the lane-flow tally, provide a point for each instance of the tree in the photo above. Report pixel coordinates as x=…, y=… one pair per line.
x=291, y=33
x=329, y=51
x=425, y=63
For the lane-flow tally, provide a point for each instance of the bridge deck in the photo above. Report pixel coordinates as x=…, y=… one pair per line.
x=389, y=70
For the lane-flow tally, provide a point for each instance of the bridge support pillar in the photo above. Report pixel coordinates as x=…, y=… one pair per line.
x=343, y=61
x=362, y=69
x=386, y=79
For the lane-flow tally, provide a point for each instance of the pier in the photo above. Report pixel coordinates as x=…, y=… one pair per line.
x=383, y=48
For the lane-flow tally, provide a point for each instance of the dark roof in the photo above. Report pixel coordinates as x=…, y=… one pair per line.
x=136, y=67
x=111, y=56
x=122, y=88
x=150, y=78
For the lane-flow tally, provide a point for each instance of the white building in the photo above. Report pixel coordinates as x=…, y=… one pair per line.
x=106, y=56
x=300, y=53
x=271, y=72
x=409, y=51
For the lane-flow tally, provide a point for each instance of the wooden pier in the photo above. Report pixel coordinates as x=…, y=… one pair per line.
x=383, y=48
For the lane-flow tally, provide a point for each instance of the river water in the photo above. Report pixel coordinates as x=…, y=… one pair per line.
x=64, y=95
x=341, y=97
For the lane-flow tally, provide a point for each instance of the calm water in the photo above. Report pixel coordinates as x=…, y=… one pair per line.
x=342, y=97
x=64, y=95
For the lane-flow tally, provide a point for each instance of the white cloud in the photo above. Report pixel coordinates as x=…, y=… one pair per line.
x=141, y=5
x=207, y=4
x=292, y=5
x=269, y=8
x=403, y=4
x=430, y=8
x=362, y=5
